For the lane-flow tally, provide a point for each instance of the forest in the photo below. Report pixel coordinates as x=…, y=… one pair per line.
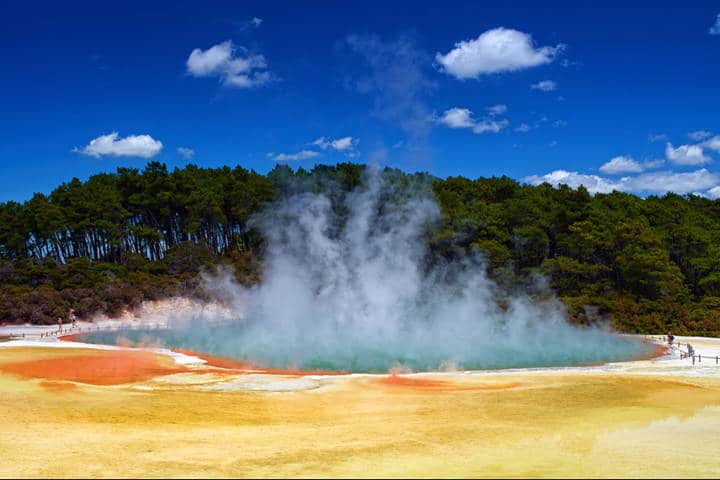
x=647, y=265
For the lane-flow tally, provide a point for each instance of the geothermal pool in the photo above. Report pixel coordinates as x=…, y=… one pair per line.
x=416, y=353
x=351, y=285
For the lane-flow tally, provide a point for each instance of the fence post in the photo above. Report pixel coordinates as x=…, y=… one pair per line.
x=693, y=359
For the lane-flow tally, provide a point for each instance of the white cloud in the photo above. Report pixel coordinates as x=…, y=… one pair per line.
x=666, y=181
x=699, y=135
x=544, y=85
x=252, y=23
x=493, y=126
x=344, y=144
x=291, y=157
x=523, y=128
x=594, y=183
x=686, y=154
x=713, y=193
x=715, y=29
x=186, y=152
x=226, y=62
x=143, y=146
x=457, y=118
x=655, y=182
x=712, y=143
x=621, y=164
x=212, y=61
x=463, y=118
x=647, y=164
x=498, y=109
x=497, y=50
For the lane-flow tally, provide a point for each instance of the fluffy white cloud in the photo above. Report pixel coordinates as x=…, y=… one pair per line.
x=686, y=154
x=699, y=135
x=226, y=62
x=713, y=193
x=212, y=61
x=186, y=152
x=715, y=29
x=498, y=109
x=143, y=146
x=655, y=182
x=463, y=118
x=523, y=128
x=291, y=157
x=544, y=85
x=594, y=183
x=457, y=118
x=661, y=182
x=497, y=50
x=621, y=164
x=343, y=144
x=712, y=143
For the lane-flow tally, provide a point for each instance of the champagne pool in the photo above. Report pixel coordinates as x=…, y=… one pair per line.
x=354, y=287
x=412, y=350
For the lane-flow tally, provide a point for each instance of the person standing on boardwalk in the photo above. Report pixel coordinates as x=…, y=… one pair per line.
x=72, y=317
x=59, y=323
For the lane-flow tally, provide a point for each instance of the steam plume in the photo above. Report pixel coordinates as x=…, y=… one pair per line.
x=350, y=285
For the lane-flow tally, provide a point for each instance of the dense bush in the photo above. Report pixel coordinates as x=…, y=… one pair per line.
x=648, y=265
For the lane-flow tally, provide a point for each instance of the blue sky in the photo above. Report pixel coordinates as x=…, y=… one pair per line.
x=610, y=95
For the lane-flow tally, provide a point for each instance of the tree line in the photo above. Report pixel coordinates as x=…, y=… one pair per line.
x=645, y=264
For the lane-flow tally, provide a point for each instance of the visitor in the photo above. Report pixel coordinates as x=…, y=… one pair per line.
x=72, y=317
x=59, y=324
x=670, y=338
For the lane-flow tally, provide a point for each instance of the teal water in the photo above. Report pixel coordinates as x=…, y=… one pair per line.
x=378, y=354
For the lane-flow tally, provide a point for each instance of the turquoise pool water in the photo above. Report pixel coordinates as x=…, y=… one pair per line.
x=380, y=353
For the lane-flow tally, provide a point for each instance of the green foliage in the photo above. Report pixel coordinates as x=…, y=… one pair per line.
x=648, y=265
x=189, y=257
x=106, y=244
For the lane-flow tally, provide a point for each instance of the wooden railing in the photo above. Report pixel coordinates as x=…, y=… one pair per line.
x=696, y=357
x=69, y=330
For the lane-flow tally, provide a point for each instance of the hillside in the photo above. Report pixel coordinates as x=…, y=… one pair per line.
x=647, y=264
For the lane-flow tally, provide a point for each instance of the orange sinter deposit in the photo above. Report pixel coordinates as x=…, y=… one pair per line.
x=657, y=351
x=112, y=367
x=658, y=419
x=395, y=380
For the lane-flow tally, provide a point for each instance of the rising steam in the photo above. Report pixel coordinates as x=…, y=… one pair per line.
x=349, y=284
